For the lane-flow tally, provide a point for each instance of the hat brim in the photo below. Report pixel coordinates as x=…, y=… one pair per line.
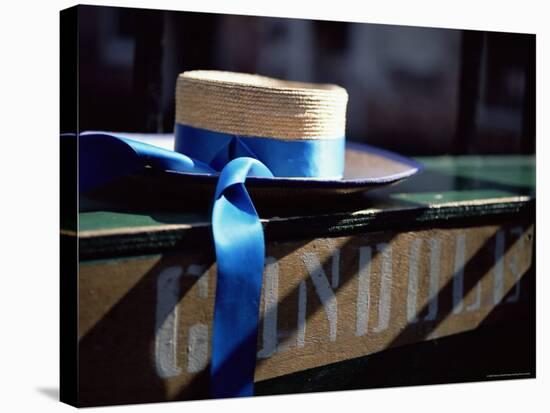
x=366, y=168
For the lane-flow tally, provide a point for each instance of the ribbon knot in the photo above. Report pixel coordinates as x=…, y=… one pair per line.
x=233, y=149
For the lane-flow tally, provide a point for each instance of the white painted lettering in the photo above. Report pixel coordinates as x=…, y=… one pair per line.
x=166, y=320
x=197, y=348
x=271, y=294
x=435, y=255
x=498, y=269
x=302, y=306
x=323, y=290
x=201, y=273
x=458, y=275
x=412, y=289
x=513, y=265
x=384, y=305
x=363, y=291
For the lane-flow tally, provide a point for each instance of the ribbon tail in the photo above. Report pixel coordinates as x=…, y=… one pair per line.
x=239, y=244
x=104, y=157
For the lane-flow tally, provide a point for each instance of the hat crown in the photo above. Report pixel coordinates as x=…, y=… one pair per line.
x=252, y=105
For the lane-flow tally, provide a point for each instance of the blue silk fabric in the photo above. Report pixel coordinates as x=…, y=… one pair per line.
x=313, y=158
x=237, y=230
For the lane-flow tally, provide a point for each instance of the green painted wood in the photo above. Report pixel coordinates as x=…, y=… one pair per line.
x=105, y=220
x=449, y=191
x=445, y=179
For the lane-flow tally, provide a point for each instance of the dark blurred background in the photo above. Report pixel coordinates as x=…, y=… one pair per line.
x=419, y=91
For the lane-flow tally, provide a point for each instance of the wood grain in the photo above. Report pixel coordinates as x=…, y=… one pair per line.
x=324, y=301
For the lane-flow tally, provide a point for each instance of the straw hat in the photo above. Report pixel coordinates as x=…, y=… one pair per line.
x=251, y=105
x=258, y=109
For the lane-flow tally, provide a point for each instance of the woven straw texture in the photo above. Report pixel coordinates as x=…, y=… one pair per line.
x=252, y=105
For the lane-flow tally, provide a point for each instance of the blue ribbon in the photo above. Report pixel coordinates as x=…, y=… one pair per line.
x=102, y=158
x=239, y=244
x=315, y=158
x=237, y=230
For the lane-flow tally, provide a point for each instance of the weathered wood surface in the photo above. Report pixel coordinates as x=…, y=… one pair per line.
x=145, y=321
x=445, y=252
